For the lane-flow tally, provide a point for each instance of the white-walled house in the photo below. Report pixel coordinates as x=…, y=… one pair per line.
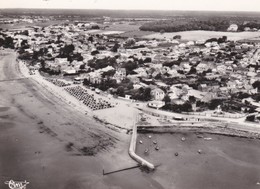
x=233, y=28
x=157, y=94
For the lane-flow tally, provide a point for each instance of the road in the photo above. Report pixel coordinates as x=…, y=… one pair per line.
x=234, y=123
x=47, y=143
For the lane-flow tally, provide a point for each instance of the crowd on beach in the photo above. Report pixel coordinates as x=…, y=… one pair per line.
x=57, y=82
x=82, y=94
x=88, y=99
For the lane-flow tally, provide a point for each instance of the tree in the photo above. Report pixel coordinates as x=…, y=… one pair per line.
x=186, y=107
x=76, y=56
x=106, y=84
x=162, y=31
x=222, y=39
x=24, y=43
x=186, y=25
x=212, y=40
x=120, y=91
x=82, y=66
x=25, y=56
x=130, y=85
x=95, y=27
x=9, y=42
x=170, y=64
x=147, y=60
x=192, y=99
x=214, y=104
x=250, y=118
x=91, y=39
x=129, y=66
x=256, y=84
x=101, y=48
x=242, y=95
x=167, y=99
x=142, y=94
x=147, y=94
x=95, y=52
x=177, y=37
x=115, y=47
x=109, y=73
x=66, y=51
x=193, y=70
x=2, y=41
x=256, y=97
x=158, y=76
x=130, y=42
x=86, y=82
x=25, y=32
x=140, y=61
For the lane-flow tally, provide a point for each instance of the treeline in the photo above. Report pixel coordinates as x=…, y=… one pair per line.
x=121, y=89
x=6, y=41
x=187, y=25
x=250, y=25
x=175, y=26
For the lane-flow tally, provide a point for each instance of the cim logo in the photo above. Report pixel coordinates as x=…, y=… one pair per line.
x=16, y=184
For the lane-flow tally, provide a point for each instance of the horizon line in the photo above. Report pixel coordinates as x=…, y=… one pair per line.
x=254, y=11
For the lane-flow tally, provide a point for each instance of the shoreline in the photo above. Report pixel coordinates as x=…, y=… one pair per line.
x=209, y=130
x=193, y=160
x=64, y=96
x=74, y=103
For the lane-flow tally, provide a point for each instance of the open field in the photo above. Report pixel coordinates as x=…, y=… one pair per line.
x=123, y=27
x=204, y=35
x=122, y=30
x=224, y=162
x=136, y=33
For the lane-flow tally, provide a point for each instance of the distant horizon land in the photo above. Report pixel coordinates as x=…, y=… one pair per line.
x=137, y=10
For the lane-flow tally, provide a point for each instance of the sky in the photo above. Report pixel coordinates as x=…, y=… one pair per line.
x=216, y=5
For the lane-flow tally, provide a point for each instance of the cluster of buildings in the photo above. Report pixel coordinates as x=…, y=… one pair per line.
x=206, y=70
x=23, y=19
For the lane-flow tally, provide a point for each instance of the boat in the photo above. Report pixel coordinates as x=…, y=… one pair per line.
x=199, y=136
x=157, y=148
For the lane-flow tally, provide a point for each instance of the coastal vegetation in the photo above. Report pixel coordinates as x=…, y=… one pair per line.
x=217, y=24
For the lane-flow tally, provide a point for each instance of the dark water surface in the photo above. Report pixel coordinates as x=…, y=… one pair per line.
x=223, y=162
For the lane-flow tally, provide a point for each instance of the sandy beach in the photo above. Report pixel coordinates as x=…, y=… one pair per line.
x=49, y=144
x=47, y=139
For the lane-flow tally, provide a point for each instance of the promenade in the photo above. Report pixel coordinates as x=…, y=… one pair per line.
x=132, y=149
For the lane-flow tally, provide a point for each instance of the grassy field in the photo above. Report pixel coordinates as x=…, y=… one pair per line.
x=129, y=29
x=132, y=30
x=199, y=35
x=123, y=27
x=137, y=33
